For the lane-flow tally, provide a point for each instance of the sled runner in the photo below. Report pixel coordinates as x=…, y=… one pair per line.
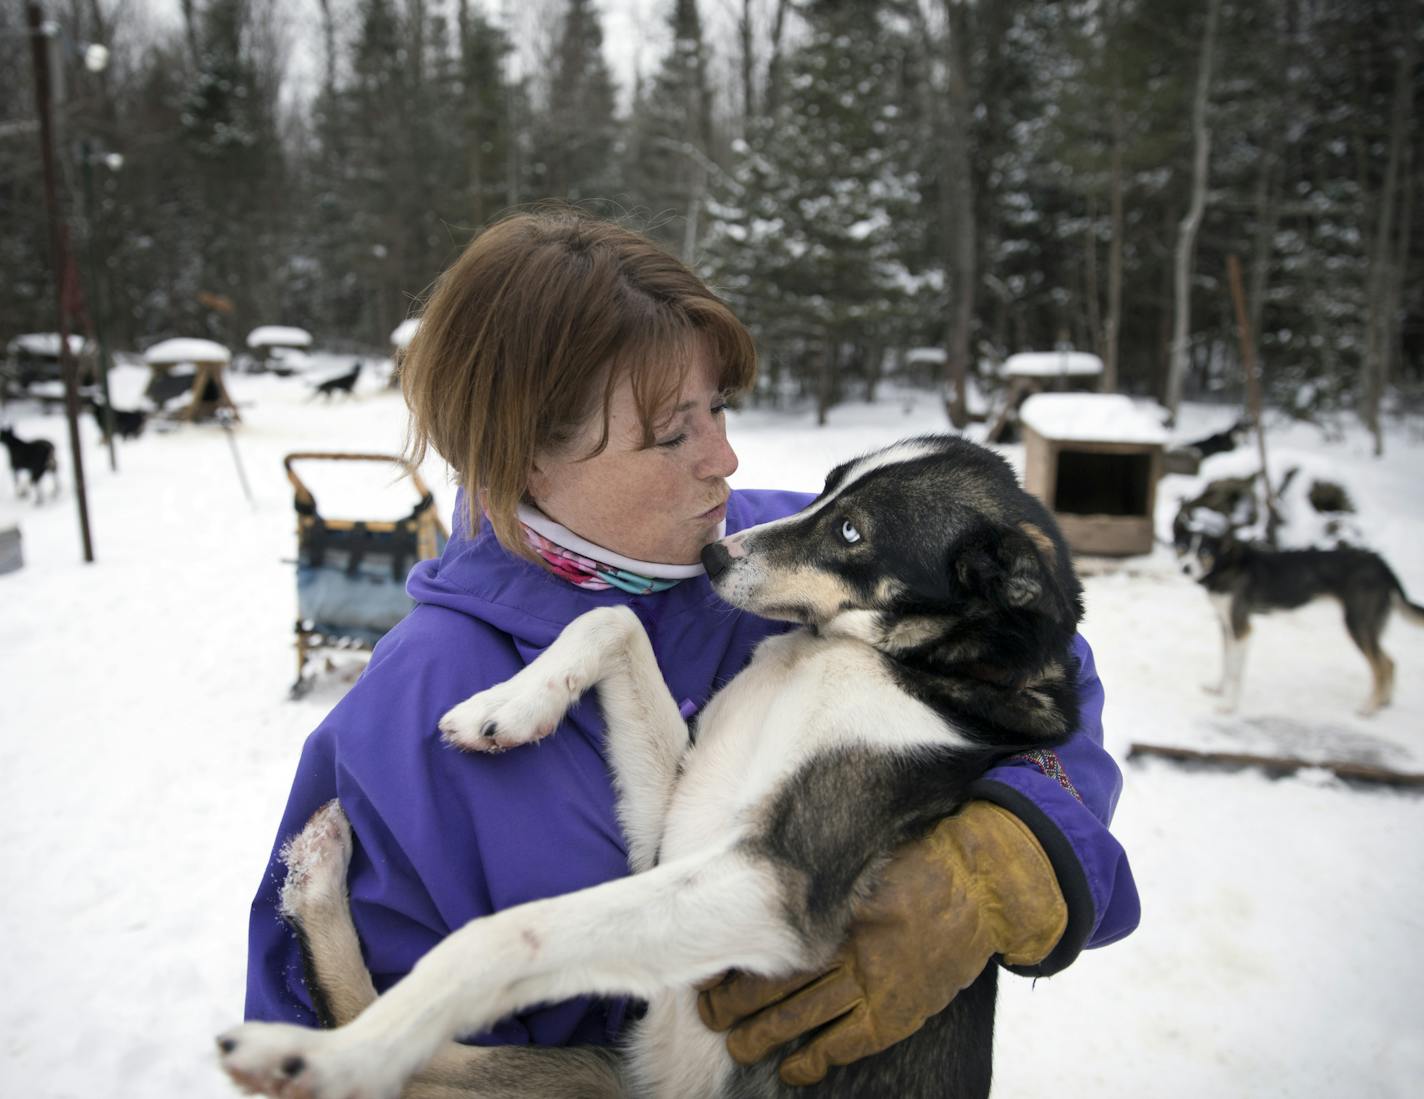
x=351, y=572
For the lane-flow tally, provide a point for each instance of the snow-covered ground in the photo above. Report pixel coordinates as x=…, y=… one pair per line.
x=147, y=744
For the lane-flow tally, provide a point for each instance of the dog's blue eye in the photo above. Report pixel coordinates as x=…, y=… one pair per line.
x=849, y=533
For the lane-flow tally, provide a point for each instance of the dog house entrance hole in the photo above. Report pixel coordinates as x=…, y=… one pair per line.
x=1090, y=483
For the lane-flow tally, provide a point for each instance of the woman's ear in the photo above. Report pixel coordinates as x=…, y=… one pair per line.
x=536, y=482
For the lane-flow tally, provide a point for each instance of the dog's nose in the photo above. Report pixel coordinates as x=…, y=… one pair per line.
x=715, y=559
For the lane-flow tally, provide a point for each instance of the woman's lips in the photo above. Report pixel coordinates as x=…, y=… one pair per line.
x=716, y=514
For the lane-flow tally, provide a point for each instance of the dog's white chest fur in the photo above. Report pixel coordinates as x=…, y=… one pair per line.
x=801, y=695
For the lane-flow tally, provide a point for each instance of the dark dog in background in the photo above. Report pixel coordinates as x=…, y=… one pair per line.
x=128, y=422
x=1221, y=441
x=34, y=458
x=342, y=383
x=1245, y=578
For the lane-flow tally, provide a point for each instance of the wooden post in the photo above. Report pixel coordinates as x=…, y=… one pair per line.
x=59, y=256
x=1278, y=765
x=1254, y=400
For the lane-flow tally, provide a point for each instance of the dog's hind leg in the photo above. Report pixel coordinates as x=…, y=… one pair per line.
x=673, y=926
x=647, y=737
x=1365, y=621
x=314, y=903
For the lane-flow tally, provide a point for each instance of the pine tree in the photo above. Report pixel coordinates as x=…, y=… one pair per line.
x=809, y=240
x=484, y=98
x=228, y=128
x=576, y=133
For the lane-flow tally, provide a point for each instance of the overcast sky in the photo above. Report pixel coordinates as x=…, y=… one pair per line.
x=635, y=32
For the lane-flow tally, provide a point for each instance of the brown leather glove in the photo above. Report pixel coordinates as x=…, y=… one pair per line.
x=978, y=885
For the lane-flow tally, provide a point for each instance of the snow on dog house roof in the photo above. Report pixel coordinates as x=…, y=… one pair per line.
x=186, y=350
x=43, y=345
x=278, y=335
x=404, y=332
x=1091, y=418
x=1051, y=364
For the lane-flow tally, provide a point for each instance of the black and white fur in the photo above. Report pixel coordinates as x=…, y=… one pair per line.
x=32, y=457
x=1246, y=578
x=1219, y=442
x=939, y=605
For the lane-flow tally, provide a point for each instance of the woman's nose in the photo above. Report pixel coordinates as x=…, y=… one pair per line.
x=719, y=459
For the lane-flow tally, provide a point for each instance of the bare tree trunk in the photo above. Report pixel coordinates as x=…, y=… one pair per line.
x=692, y=223
x=874, y=368
x=772, y=94
x=190, y=27
x=825, y=380
x=1381, y=319
x=1267, y=198
x=1266, y=204
x=1402, y=239
x=1113, y=324
x=959, y=196
x=746, y=40
x=513, y=158
x=1187, y=230
x=328, y=39
x=1090, y=280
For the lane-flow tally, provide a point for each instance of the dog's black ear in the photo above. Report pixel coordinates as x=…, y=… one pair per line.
x=1005, y=564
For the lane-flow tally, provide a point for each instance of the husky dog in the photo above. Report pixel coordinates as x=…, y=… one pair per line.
x=32, y=457
x=1220, y=442
x=342, y=383
x=128, y=422
x=1244, y=578
x=939, y=606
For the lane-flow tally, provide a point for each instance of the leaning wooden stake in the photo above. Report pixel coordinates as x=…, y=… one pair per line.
x=1279, y=765
x=1254, y=401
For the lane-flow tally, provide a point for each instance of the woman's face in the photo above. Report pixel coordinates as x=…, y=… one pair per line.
x=662, y=503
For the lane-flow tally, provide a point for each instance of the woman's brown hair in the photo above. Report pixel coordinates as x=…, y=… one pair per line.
x=525, y=336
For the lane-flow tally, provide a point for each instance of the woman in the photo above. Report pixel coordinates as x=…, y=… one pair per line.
x=576, y=377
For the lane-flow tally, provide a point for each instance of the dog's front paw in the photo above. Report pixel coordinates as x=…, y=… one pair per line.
x=290, y=1062
x=524, y=709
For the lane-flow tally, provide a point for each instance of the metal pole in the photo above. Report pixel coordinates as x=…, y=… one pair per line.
x=224, y=417
x=86, y=159
x=39, y=43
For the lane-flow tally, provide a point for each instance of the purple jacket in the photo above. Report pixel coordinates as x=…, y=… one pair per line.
x=443, y=837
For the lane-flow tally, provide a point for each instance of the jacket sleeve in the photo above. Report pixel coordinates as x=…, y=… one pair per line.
x=439, y=838
x=406, y=924
x=1067, y=797
x=396, y=917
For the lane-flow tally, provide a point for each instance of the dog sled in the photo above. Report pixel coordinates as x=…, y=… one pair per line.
x=351, y=572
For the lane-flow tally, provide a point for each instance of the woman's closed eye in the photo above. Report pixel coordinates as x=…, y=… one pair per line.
x=677, y=440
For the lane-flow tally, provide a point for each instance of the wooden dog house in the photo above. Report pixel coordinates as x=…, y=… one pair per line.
x=280, y=348
x=1094, y=459
x=209, y=360
x=1031, y=372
